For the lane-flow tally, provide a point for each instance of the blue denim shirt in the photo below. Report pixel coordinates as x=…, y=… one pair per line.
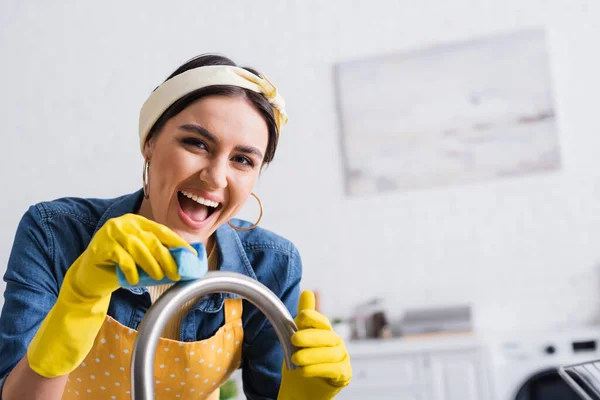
x=51, y=235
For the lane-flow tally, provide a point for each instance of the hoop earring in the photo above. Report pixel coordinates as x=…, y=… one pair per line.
x=256, y=223
x=145, y=179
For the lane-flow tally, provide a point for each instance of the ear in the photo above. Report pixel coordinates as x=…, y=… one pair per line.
x=149, y=149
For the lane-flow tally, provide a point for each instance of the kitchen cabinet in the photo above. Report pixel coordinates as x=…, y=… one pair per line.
x=424, y=369
x=458, y=375
x=382, y=393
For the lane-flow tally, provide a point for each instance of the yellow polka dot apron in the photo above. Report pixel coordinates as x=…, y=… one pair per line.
x=182, y=370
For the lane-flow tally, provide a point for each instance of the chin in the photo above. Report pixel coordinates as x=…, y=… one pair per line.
x=190, y=237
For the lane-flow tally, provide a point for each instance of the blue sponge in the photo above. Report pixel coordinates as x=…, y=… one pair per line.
x=189, y=266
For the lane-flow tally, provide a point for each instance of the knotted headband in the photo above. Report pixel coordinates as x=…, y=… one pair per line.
x=191, y=80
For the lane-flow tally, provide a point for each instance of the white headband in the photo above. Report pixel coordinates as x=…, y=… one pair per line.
x=179, y=86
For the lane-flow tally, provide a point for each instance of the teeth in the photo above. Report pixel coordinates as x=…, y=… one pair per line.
x=200, y=200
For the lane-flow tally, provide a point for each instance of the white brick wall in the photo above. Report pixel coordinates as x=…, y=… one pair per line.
x=524, y=251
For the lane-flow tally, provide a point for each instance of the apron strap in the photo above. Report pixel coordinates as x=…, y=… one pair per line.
x=233, y=310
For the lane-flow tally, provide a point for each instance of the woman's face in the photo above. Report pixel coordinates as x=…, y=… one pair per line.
x=203, y=165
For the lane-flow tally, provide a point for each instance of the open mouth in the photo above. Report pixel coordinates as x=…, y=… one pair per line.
x=195, y=207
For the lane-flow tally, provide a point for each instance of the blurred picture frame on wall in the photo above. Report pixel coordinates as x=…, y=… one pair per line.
x=448, y=114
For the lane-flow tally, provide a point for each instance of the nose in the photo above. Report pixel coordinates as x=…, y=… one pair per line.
x=214, y=175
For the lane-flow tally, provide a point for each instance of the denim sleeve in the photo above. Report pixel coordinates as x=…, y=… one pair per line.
x=31, y=288
x=262, y=353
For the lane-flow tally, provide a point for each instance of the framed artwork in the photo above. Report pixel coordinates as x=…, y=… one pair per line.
x=447, y=115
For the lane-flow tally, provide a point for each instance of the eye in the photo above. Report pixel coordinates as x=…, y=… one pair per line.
x=192, y=141
x=244, y=161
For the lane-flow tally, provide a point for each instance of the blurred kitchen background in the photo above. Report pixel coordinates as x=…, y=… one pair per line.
x=440, y=173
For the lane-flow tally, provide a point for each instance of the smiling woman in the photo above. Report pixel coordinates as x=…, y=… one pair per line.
x=69, y=321
x=212, y=150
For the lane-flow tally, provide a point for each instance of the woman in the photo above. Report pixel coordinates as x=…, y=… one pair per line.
x=68, y=323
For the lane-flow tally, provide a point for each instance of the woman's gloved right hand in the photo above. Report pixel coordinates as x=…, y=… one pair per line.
x=67, y=333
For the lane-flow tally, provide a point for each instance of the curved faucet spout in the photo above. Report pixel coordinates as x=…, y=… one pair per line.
x=153, y=324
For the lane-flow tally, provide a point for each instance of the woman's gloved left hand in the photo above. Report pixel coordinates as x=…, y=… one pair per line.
x=324, y=363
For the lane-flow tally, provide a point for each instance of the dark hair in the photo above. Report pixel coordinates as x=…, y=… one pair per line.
x=256, y=99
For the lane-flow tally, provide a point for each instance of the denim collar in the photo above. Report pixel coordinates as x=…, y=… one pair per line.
x=230, y=250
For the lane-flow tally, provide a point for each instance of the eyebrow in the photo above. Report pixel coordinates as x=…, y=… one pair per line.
x=199, y=130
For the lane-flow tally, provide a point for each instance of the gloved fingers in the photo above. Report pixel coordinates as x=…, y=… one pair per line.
x=307, y=319
x=163, y=257
x=142, y=256
x=164, y=234
x=316, y=338
x=125, y=262
x=338, y=374
x=307, y=301
x=319, y=356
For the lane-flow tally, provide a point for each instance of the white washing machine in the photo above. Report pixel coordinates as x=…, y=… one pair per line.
x=523, y=366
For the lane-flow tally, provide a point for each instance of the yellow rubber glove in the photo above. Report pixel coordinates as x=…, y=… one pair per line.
x=67, y=333
x=322, y=357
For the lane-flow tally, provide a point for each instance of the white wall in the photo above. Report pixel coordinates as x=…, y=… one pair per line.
x=524, y=251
